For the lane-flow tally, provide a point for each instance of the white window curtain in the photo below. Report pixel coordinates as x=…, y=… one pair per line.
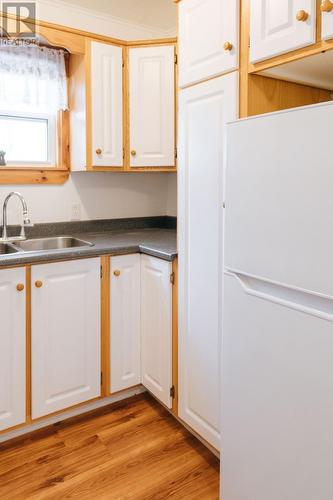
x=32, y=78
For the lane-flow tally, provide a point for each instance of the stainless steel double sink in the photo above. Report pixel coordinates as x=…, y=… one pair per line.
x=43, y=244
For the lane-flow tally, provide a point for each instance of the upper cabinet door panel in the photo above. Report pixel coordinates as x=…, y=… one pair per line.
x=12, y=349
x=205, y=26
x=327, y=22
x=152, y=106
x=279, y=26
x=106, y=105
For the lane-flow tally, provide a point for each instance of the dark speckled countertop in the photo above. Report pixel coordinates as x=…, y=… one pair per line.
x=111, y=239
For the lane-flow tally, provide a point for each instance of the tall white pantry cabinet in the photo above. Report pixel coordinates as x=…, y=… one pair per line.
x=204, y=109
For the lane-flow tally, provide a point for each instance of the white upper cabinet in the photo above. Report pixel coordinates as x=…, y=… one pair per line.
x=106, y=69
x=156, y=327
x=208, y=39
x=12, y=348
x=327, y=19
x=125, y=322
x=152, y=106
x=66, y=335
x=204, y=110
x=279, y=26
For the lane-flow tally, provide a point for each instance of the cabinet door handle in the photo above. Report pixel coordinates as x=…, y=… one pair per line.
x=228, y=46
x=302, y=15
x=133, y=152
x=20, y=287
x=98, y=151
x=116, y=273
x=326, y=6
x=38, y=284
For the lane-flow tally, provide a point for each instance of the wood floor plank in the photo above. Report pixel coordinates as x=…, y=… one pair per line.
x=132, y=450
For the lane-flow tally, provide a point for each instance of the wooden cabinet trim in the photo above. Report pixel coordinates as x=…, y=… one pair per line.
x=105, y=325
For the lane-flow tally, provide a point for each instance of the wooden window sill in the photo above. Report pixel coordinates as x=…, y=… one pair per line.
x=27, y=175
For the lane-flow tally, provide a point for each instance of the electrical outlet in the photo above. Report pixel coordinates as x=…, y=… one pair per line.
x=76, y=211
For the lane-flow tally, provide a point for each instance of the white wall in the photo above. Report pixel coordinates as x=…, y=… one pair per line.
x=171, y=208
x=100, y=195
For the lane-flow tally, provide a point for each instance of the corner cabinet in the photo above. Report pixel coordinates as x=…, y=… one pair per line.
x=123, y=107
x=208, y=39
x=141, y=325
x=156, y=327
x=204, y=111
x=281, y=26
x=12, y=348
x=125, y=307
x=152, y=106
x=66, y=333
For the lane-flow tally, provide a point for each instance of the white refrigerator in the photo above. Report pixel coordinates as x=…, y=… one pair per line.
x=277, y=359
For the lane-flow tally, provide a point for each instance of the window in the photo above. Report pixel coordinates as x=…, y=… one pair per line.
x=28, y=140
x=33, y=89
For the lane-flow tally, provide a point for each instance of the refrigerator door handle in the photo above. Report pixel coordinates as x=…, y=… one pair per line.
x=304, y=301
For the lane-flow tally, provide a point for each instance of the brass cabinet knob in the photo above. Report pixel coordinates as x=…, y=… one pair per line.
x=38, y=284
x=116, y=273
x=98, y=151
x=133, y=152
x=20, y=287
x=326, y=6
x=302, y=15
x=228, y=46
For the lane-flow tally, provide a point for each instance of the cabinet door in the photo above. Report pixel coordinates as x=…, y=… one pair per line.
x=205, y=26
x=152, y=106
x=65, y=335
x=125, y=322
x=106, y=105
x=156, y=327
x=12, y=348
x=327, y=21
x=277, y=26
x=204, y=110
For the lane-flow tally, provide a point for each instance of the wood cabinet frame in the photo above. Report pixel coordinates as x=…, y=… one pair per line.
x=316, y=48
x=126, y=106
x=262, y=94
x=105, y=340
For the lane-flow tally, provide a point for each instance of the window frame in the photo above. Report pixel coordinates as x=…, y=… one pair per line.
x=52, y=139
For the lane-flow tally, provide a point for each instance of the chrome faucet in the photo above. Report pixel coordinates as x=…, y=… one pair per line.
x=26, y=220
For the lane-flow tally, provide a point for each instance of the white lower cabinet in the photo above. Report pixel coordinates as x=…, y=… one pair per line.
x=65, y=344
x=125, y=322
x=204, y=111
x=12, y=348
x=141, y=324
x=156, y=327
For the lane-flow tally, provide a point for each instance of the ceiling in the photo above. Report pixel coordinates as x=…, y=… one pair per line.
x=159, y=14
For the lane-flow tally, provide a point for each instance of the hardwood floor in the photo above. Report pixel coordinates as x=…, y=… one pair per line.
x=132, y=450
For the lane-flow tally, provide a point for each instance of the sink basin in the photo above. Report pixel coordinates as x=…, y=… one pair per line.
x=6, y=249
x=58, y=243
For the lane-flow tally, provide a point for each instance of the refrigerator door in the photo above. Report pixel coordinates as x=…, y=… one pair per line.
x=277, y=393
x=279, y=198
